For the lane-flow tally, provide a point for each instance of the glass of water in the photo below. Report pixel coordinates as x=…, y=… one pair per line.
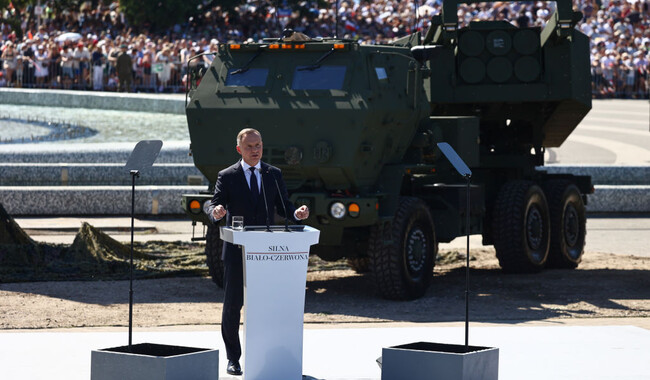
x=238, y=223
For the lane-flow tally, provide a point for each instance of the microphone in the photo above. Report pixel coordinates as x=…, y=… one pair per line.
x=286, y=217
x=266, y=205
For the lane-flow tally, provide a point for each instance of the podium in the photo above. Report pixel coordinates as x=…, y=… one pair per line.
x=275, y=275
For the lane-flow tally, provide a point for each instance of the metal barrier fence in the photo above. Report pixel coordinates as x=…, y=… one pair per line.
x=171, y=78
x=159, y=78
x=622, y=84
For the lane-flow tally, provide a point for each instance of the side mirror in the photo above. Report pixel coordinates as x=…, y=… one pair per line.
x=423, y=53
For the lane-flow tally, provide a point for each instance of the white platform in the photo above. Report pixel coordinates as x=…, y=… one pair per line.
x=563, y=352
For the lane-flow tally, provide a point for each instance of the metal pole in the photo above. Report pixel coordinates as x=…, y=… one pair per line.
x=336, y=16
x=467, y=230
x=134, y=174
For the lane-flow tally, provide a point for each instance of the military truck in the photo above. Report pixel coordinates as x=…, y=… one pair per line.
x=354, y=130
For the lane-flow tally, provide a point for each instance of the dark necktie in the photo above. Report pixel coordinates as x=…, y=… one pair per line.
x=254, y=188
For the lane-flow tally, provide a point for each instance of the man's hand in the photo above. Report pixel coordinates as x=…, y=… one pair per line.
x=302, y=212
x=218, y=212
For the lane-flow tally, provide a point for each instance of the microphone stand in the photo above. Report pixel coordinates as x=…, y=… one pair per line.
x=134, y=174
x=266, y=205
x=467, y=230
x=286, y=216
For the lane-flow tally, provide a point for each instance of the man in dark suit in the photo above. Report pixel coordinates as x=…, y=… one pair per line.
x=240, y=191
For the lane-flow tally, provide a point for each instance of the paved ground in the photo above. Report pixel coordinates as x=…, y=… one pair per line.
x=615, y=132
x=349, y=352
x=620, y=234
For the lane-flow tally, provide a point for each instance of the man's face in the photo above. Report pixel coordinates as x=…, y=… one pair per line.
x=250, y=148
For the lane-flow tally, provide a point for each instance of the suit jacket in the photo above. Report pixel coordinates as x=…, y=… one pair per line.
x=232, y=192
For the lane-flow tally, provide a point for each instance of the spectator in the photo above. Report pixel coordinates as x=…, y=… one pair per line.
x=146, y=63
x=98, y=59
x=54, y=67
x=67, y=70
x=80, y=65
x=619, y=31
x=124, y=67
x=163, y=68
x=9, y=57
x=41, y=64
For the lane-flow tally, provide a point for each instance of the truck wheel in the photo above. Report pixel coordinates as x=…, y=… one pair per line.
x=521, y=227
x=402, y=253
x=360, y=264
x=213, y=248
x=568, y=224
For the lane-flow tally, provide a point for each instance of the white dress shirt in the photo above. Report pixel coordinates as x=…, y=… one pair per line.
x=248, y=173
x=258, y=174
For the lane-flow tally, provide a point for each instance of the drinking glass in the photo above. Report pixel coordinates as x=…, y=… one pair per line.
x=238, y=223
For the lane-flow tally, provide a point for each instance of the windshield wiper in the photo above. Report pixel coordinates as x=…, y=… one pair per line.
x=248, y=64
x=316, y=64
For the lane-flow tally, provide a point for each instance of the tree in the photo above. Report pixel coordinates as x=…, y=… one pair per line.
x=293, y=4
x=158, y=15
x=14, y=21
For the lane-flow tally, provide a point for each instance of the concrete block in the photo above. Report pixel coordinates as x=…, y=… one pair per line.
x=428, y=361
x=605, y=174
x=171, y=152
x=83, y=174
x=154, y=361
x=163, y=103
x=631, y=198
x=94, y=200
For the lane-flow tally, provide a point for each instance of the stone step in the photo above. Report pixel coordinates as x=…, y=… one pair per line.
x=94, y=200
x=620, y=198
x=166, y=200
x=78, y=166
x=163, y=103
x=112, y=174
x=605, y=174
x=54, y=153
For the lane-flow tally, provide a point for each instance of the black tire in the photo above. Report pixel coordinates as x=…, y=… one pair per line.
x=359, y=264
x=403, y=252
x=213, y=249
x=521, y=226
x=568, y=224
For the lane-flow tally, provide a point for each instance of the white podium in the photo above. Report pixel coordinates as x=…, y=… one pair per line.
x=275, y=275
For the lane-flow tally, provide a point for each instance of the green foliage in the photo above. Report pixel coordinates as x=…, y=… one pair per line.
x=61, y=5
x=157, y=15
x=230, y=4
x=18, y=4
x=293, y=4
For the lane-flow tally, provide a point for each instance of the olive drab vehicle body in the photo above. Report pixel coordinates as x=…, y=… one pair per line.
x=354, y=130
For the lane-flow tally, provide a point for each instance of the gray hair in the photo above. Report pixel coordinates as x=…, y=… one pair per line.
x=244, y=132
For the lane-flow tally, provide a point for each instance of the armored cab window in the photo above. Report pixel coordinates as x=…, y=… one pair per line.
x=247, y=78
x=318, y=78
x=381, y=74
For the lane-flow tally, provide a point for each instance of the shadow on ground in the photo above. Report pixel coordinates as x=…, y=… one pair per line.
x=494, y=296
x=341, y=295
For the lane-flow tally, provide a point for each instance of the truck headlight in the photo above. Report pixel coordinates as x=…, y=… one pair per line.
x=337, y=210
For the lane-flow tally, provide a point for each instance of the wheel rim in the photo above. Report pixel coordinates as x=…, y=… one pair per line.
x=571, y=226
x=535, y=230
x=416, y=250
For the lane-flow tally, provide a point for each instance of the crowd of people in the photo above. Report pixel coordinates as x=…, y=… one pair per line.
x=81, y=49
